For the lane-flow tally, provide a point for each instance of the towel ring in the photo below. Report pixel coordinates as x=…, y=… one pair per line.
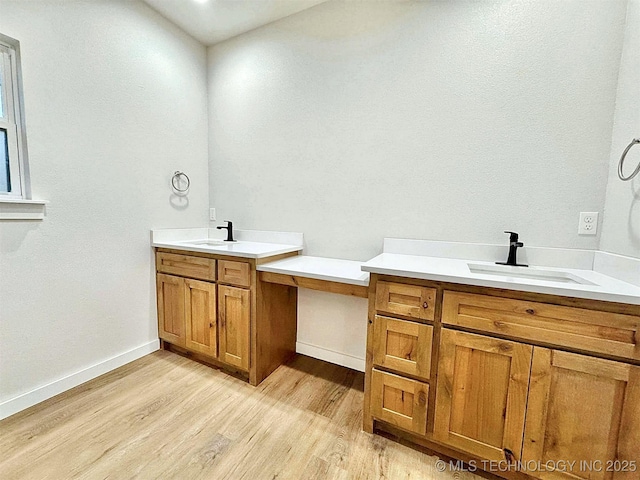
x=175, y=182
x=635, y=141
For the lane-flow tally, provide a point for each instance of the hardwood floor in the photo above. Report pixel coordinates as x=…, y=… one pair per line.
x=165, y=416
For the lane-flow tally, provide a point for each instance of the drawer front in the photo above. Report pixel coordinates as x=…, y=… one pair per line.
x=408, y=300
x=403, y=346
x=186, y=265
x=588, y=330
x=235, y=273
x=399, y=401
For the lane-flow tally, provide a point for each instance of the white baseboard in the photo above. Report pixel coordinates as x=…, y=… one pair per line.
x=331, y=356
x=40, y=394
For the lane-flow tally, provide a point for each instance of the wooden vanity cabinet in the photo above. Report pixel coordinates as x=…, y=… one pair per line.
x=519, y=379
x=215, y=309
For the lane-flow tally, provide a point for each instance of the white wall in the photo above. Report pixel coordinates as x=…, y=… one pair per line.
x=621, y=227
x=115, y=102
x=332, y=327
x=446, y=120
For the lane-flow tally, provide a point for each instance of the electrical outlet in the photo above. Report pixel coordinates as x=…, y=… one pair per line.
x=588, y=223
x=212, y=214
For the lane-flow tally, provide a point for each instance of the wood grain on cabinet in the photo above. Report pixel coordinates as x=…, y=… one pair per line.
x=584, y=410
x=481, y=394
x=399, y=401
x=275, y=328
x=612, y=334
x=171, y=308
x=407, y=300
x=233, y=322
x=235, y=273
x=190, y=266
x=403, y=346
x=200, y=317
x=315, y=284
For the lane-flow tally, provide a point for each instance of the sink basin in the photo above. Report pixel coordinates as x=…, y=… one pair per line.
x=528, y=273
x=204, y=243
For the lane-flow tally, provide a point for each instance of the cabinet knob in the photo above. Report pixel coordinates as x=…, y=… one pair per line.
x=211, y=325
x=425, y=305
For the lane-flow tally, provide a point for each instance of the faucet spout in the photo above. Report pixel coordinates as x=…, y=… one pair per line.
x=513, y=251
x=229, y=228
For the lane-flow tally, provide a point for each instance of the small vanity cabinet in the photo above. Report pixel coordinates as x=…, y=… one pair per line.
x=518, y=379
x=215, y=309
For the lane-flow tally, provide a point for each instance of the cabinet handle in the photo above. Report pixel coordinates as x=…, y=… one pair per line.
x=509, y=456
x=425, y=305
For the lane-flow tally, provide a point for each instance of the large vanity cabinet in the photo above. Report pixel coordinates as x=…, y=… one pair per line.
x=215, y=309
x=511, y=382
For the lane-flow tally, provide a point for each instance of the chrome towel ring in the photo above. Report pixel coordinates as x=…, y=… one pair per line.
x=635, y=141
x=175, y=182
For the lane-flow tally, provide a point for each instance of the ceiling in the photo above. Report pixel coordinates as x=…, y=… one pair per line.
x=212, y=21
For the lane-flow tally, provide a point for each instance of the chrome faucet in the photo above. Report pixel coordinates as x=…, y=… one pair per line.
x=513, y=249
x=229, y=229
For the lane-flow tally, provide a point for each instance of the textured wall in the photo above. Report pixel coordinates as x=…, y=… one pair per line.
x=115, y=102
x=445, y=120
x=621, y=227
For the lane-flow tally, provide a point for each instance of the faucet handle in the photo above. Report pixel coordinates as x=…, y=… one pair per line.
x=513, y=236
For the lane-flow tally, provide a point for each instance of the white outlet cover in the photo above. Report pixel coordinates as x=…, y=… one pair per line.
x=212, y=214
x=588, y=224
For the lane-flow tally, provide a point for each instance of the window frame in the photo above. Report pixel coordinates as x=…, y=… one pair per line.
x=13, y=121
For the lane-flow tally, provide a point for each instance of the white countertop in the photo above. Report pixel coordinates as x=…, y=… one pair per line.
x=250, y=244
x=319, y=268
x=236, y=249
x=457, y=271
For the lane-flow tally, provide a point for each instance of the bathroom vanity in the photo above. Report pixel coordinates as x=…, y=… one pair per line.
x=511, y=380
x=213, y=307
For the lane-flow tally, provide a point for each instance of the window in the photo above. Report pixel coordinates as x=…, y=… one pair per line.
x=13, y=151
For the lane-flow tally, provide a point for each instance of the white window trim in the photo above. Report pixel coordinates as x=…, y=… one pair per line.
x=21, y=209
x=17, y=204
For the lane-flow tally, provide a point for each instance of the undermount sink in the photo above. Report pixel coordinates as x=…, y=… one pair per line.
x=204, y=243
x=528, y=273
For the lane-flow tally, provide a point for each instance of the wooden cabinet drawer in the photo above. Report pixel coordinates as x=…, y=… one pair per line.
x=186, y=265
x=588, y=330
x=235, y=273
x=399, y=401
x=403, y=346
x=408, y=300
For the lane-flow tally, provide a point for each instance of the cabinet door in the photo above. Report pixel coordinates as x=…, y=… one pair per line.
x=399, y=401
x=584, y=410
x=171, y=324
x=200, y=317
x=403, y=346
x=234, y=313
x=481, y=395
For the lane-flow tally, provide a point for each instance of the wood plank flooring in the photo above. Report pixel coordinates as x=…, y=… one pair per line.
x=165, y=417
